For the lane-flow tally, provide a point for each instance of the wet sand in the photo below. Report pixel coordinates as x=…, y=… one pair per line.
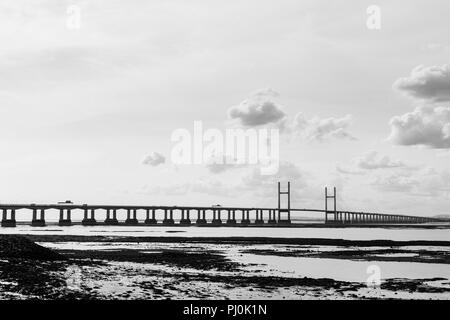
x=117, y=267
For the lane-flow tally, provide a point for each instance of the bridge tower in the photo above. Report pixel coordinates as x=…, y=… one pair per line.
x=331, y=196
x=285, y=210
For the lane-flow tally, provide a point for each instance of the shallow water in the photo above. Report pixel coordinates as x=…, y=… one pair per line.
x=284, y=266
x=388, y=233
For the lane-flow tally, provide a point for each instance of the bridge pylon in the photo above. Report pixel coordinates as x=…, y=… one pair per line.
x=285, y=210
x=334, y=212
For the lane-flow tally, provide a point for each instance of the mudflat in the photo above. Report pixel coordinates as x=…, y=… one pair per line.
x=121, y=267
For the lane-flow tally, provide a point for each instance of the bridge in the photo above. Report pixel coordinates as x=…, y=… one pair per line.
x=205, y=216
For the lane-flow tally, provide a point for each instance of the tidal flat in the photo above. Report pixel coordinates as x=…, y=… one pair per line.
x=49, y=266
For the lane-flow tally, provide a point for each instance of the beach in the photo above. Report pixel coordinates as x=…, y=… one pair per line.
x=191, y=263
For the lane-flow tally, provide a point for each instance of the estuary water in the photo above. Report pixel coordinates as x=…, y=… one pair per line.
x=396, y=233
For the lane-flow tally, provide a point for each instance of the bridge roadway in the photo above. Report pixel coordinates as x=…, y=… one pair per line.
x=273, y=216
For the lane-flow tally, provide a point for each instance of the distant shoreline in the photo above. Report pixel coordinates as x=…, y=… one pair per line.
x=236, y=240
x=440, y=225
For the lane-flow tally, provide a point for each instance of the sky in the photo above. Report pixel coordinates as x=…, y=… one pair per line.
x=91, y=93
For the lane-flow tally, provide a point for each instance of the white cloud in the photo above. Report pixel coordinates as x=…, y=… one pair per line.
x=397, y=182
x=323, y=129
x=429, y=83
x=154, y=159
x=349, y=171
x=201, y=185
x=437, y=47
x=266, y=185
x=221, y=163
x=259, y=109
x=427, y=125
x=372, y=160
x=425, y=182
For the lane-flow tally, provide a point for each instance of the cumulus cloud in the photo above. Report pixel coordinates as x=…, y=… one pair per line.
x=154, y=159
x=372, y=160
x=259, y=109
x=322, y=129
x=429, y=83
x=426, y=125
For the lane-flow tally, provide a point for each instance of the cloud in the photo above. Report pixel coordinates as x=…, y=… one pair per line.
x=426, y=125
x=214, y=187
x=397, y=182
x=221, y=163
x=154, y=159
x=170, y=190
x=266, y=185
x=349, y=171
x=372, y=160
x=429, y=83
x=322, y=129
x=425, y=182
x=437, y=47
x=201, y=185
x=259, y=109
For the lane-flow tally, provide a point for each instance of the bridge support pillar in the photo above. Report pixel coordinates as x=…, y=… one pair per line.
x=111, y=221
x=89, y=221
x=151, y=220
x=245, y=216
x=216, y=219
x=231, y=217
x=168, y=220
x=185, y=220
x=37, y=222
x=131, y=219
x=259, y=217
x=11, y=222
x=65, y=221
x=272, y=218
x=201, y=217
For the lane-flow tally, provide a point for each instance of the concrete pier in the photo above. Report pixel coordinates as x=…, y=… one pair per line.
x=216, y=217
x=168, y=220
x=132, y=220
x=201, y=217
x=89, y=221
x=65, y=221
x=151, y=220
x=11, y=221
x=111, y=221
x=185, y=217
x=272, y=217
x=245, y=217
x=231, y=217
x=259, y=217
x=38, y=221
